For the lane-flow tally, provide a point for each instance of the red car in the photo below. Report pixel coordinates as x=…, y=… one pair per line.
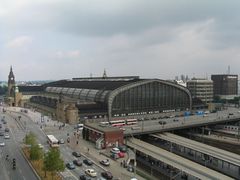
x=121, y=155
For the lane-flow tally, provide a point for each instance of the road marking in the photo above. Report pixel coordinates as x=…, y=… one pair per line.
x=72, y=174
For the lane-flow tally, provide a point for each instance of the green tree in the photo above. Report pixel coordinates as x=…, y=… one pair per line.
x=30, y=139
x=53, y=162
x=36, y=152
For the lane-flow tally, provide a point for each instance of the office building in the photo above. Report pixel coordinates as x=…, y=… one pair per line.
x=201, y=89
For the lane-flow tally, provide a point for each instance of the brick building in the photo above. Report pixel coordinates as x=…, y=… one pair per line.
x=103, y=136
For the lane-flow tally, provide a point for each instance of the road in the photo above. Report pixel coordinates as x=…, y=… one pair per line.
x=34, y=124
x=13, y=148
x=151, y=126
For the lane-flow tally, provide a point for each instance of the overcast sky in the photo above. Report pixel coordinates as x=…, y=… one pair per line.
x=61, y=39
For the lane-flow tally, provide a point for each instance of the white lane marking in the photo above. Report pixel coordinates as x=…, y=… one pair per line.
x=72, y=174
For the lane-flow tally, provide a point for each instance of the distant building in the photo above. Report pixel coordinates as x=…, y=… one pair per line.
x=180, y=82
x=225, y=85
x=201, y=89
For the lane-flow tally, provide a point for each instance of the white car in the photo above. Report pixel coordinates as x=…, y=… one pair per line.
x=115, y=150
x=91, y=172
x=2, y=144
x=6, y=136
x=40, y=146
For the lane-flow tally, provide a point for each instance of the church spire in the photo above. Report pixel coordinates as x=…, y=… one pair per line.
x=11, y=82
x=104, y=74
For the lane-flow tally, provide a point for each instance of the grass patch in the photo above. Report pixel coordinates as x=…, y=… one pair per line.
x=38, y=166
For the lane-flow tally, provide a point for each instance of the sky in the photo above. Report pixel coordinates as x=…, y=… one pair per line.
x=62, y=39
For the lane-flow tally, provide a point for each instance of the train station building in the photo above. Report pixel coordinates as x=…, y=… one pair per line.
x=107, y=98
x=100, y=98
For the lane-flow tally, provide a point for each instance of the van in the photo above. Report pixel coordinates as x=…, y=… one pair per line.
x=206, y=112
x=80, y=127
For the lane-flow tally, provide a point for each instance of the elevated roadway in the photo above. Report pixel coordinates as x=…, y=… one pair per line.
x=184, y=165
x=153, y=126
x=223, y=155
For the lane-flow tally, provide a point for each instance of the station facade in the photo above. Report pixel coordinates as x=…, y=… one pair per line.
x=110, y=97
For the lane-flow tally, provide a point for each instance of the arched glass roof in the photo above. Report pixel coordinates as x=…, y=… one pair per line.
x=81, y=94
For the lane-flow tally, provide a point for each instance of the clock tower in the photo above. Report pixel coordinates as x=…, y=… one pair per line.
x=11, y=83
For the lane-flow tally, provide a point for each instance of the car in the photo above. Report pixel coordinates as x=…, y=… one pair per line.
x=88, y=162
x=6, y=136
x=4, y=122
x=1, y=133
x=70, y=165
x=115, y=150
x=84, y=177
x=107, y=175
x=114, y=156
x=2, y=143
x=6, y=129
x=121, y=154
x=175, y=120
x=61, y=141
x=130, y=168
x=76, y=154
x=230, y=114
x=0, y=125
x=105, y=162
x=123, y=148
x=40, y=146
x=162, y=122
x=91, y=172
x=77, y=162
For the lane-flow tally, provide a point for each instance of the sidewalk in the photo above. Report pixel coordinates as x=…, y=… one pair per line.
x=97, y=155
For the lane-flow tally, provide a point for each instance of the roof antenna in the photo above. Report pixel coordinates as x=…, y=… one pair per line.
x=228, y=69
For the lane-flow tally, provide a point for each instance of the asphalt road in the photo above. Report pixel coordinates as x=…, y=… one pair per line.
x=153, y=125
x=34, y=124
x=13, y=148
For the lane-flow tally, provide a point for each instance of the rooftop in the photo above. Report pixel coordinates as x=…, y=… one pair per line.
x=102, y=128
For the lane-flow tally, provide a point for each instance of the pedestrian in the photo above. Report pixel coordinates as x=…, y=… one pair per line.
x=77, y=142
x=88, y=150
x=121, y=164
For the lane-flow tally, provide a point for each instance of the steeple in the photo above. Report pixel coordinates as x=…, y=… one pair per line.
x=11, y=75
x=104, y=74
x=11, y=83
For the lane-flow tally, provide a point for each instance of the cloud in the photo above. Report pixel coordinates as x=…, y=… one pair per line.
x=67, y=54
x=19, y=42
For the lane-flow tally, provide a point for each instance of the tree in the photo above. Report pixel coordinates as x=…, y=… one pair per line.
x=30, y=139
x=53, y=162
x=36, y=152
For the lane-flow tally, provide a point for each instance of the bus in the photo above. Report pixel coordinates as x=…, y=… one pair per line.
x=52, y=141
x=117, y=123
x=105, y=123
x=131, y=121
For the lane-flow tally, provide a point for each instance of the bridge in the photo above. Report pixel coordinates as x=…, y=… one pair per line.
x=176, y=123
x=177, y=164
x=212, y=157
